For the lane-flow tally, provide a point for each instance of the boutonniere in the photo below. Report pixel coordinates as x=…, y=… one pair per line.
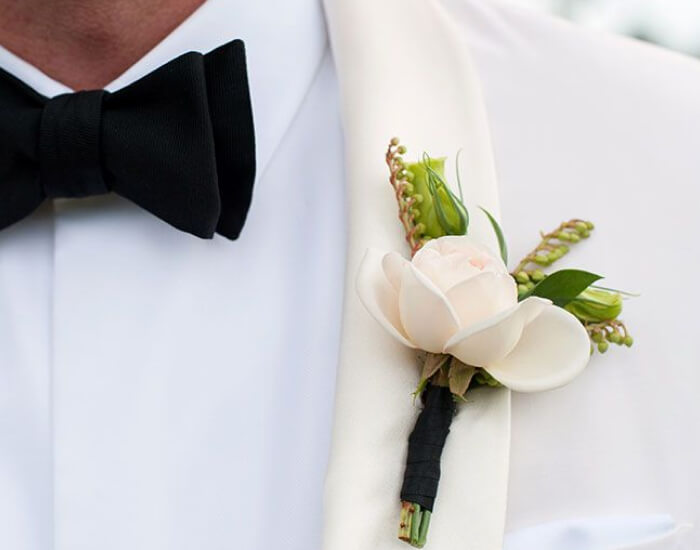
x=472, y=321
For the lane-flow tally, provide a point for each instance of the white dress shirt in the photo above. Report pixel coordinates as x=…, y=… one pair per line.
x=161, y=392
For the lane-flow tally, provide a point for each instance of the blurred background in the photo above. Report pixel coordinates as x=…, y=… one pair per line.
x=673, y=24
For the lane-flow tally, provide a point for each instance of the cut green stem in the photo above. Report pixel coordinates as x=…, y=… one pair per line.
x=415, y=521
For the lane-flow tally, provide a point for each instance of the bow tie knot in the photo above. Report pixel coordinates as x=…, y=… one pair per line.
x=179, y=143
x=69, y=145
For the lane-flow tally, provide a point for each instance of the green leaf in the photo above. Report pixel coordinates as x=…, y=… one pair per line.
x=499, y=235
x=563, y=286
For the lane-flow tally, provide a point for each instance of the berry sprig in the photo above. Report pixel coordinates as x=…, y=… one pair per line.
x=400, y=179
x=608, y=332
x=553, y=246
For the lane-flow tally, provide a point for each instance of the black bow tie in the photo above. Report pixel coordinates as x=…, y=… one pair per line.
x=179, y=143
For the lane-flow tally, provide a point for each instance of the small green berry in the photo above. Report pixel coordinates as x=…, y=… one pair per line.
x=629, y=341
x=603, y=347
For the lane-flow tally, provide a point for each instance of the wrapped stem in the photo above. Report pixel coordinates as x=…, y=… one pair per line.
x=422, y=475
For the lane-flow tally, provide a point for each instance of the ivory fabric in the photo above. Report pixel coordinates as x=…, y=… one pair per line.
x=412, y=78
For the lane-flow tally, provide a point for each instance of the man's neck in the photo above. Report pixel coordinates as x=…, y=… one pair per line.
x=86, y=44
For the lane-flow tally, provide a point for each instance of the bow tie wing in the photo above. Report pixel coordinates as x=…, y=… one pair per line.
x=20, y=117
x=234, y=133
x=158, y=146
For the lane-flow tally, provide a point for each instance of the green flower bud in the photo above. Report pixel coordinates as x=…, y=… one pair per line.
x=590, y=226
x=401, y=150
x=615, y=337
x=442, y=212
x=574, y=238
x=522, y=277
x=597, y=337
x=394, y=141
x=563, y=236
x=596, y=306
x=585, y=234
x=530, y=285
x=522, y=289
x=553, y=256
x=541, y=259
x=629, y=341
x=537, y=276
x=409, y=175
x=603, y=347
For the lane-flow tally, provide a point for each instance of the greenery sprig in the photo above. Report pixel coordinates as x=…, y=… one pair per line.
x=400, y=179
x=554, y=245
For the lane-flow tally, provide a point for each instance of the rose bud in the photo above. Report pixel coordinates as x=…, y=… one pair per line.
x=596, y=305
x=440, y=211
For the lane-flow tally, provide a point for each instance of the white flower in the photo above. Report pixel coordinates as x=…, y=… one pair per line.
x=456, y=297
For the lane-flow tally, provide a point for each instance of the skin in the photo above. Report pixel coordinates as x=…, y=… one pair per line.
x=86, y=44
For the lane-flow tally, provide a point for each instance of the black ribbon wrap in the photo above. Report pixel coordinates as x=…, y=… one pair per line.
x=425, y=444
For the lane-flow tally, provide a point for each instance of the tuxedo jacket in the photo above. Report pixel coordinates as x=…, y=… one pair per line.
x=142, y=368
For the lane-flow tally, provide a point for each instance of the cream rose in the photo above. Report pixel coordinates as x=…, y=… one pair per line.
x=456, y=297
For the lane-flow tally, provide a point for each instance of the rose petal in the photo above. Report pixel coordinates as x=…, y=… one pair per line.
x=445, y=270
x=462, y=244
x=427, y=317
x=393, y=264
x=553, y=350
x=484, y=343
x=482, y=297
x=378, y=295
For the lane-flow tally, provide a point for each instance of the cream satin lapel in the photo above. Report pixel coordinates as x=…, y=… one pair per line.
x=404, y=70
